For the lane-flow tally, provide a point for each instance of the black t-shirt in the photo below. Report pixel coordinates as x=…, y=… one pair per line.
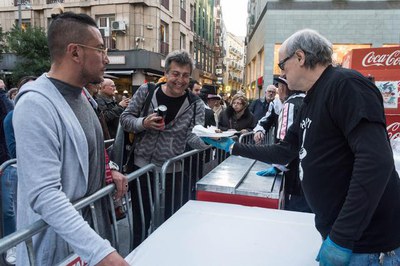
x=173, y=104
x=347, y=167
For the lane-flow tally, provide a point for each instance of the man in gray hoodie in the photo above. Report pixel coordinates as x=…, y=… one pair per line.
x=60, y=148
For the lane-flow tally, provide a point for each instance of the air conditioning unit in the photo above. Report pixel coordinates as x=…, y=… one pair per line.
x=118, y=26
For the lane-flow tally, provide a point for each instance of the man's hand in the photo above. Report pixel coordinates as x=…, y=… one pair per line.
x=222, y=143
x=154, y=121
x=331, y=254
x=113, y=259
x=121, y=183
x=268, y=172
x=258, y=137
x=124, y=103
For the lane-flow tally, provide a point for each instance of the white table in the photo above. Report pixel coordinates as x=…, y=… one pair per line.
x=208, y=234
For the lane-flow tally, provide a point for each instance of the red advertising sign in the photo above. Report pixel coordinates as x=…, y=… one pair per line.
x=384, y=65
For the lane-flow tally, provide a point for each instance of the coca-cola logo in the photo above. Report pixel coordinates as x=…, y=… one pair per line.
x=373, y=59
x=393, y=130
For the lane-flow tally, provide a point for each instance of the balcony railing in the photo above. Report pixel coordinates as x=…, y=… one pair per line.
x=164, y=48
x=54, y=1
x=165, y=3
x=183, y=15
x=23, y=2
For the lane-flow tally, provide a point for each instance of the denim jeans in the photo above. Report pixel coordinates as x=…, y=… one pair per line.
x=376, y=259
x=9, y=181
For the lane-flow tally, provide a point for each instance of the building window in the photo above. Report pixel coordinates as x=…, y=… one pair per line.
x=183, y=41
x=164, y=46
x=195, y=18
x=109, y=37
x=183, y=10
x=191, y=51
x=53, y=1
x=192, y=17
x=165, y=3
x=25, y=23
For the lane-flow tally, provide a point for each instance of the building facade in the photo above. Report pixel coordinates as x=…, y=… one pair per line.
x=204, y=46
x=219, y=38
x=139, y=34
x=233, y=63
x=348, y=24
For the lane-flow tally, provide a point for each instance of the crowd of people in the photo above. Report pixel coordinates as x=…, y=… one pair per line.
x=330, y=143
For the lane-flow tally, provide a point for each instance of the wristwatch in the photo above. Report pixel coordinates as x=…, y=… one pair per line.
x=113, y=166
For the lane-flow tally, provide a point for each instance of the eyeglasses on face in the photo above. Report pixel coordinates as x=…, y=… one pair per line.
x=102, y=50
x=177, y=74
x=281, y=64
x=271, y=91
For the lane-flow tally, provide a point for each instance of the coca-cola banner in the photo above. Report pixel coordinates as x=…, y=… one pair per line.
x=393, y=126
x=376, y=58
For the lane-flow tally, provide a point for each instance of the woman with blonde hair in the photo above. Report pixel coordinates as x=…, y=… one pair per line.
x=237, y=116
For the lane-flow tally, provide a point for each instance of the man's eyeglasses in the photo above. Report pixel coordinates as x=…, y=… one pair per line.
x=102, y=50
x=177, y=74
x=281, y=64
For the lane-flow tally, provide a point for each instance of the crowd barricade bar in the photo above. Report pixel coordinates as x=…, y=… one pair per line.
x=188, y=168
x=26, y=234
x=248, y=137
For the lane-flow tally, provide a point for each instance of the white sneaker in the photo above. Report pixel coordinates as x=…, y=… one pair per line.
x=11, y=256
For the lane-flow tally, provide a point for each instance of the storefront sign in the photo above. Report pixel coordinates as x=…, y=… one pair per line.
x=116, y=59
x=384, y=59
x=375, y=58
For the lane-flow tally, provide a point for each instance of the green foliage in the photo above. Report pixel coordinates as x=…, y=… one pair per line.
x=30, y=45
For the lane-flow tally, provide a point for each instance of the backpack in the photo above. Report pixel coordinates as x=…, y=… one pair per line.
x=124, y=144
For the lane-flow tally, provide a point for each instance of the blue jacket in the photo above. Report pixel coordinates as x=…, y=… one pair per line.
x=259, y=108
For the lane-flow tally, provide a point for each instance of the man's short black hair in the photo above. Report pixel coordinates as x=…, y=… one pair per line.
x=192, y=82
x=67, y=28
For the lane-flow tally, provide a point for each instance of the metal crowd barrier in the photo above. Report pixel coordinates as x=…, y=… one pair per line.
x=248, y=138
x=184, y=171
x=26, y=234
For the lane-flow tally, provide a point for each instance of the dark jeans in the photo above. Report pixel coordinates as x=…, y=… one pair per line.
x=9, y=181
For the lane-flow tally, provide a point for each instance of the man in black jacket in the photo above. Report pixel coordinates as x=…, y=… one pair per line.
x=259, y=107
x=110, y=109
x=346, y=162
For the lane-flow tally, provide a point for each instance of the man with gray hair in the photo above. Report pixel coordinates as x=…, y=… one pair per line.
x=163, y=136
x=346, y=162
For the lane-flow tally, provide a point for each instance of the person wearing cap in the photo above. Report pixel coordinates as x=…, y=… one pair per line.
x=259, y=107
x=292, y=101
x=237, y=116
x=208, y=94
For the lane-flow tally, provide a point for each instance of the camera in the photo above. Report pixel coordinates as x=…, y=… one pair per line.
x=161, y=110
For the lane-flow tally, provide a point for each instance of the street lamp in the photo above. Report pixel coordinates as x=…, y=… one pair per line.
x=27, y=6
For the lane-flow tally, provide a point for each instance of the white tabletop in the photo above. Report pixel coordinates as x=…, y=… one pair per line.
x=208, y=234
